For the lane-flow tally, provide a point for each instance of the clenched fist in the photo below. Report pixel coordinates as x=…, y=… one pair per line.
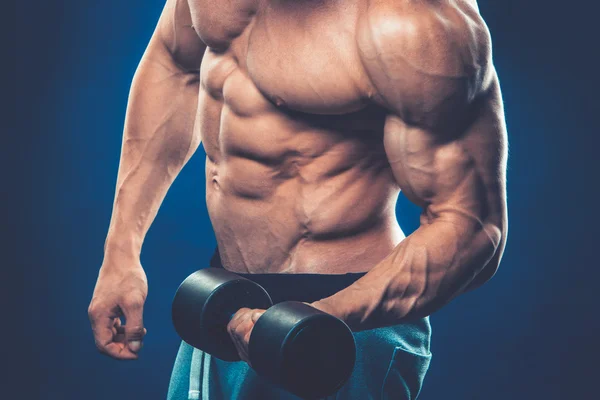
x=121, y=291
x=240, y=328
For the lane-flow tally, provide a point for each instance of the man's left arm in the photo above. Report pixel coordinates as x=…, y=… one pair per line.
x=445, y=140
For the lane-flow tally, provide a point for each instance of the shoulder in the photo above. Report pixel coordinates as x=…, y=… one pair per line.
x=424, y=56
x=175, y=33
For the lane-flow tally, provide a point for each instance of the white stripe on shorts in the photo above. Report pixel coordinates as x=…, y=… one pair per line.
x=199, y=375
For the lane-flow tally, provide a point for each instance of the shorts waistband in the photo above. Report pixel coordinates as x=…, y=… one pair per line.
x=297, y=287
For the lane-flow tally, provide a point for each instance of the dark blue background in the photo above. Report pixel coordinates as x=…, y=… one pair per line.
x=530, y=333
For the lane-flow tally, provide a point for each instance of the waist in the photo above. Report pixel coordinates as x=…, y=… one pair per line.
x=262, y=244
x=305, y=287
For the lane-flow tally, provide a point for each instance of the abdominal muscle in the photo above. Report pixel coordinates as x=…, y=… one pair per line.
x=289, y=192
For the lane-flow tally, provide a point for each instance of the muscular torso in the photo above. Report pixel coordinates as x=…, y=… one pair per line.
x=296, y=174
x=297, y=178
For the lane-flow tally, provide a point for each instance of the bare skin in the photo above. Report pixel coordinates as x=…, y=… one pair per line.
x=314, y=115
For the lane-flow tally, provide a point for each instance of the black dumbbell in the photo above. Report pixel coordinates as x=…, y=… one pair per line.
x=204, y=305
x=304, y=350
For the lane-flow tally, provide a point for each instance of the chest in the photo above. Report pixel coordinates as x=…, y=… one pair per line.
x=300, y=55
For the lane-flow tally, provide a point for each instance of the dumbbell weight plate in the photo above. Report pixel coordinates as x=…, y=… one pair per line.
x=305, y=351
x=204, y=304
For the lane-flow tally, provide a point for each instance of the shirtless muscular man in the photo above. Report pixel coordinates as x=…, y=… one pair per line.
x=314, y=114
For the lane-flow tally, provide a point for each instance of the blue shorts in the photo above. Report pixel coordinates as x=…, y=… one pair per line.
x=391, y=362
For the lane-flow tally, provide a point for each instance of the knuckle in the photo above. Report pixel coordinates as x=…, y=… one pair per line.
x=100, y=347
x=233, y=330
x=133, y=301
x=94, y=311
x=135, y=333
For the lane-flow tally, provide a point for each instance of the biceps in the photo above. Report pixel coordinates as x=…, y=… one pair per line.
x=453, y=178
x=431, y=173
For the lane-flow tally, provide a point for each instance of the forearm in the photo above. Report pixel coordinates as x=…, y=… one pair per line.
x=423, y=273
x=158, y=140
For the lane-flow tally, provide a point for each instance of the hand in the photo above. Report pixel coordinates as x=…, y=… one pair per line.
x=240, y=327
x=120, y=291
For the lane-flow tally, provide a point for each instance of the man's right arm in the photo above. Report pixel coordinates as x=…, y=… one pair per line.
x=158, y=140
x=159, y=135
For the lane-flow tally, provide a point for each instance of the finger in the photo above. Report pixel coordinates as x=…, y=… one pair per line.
x=118, y=351
x=243, y=321
x=239, y=315
x=241, y=335
x=239, y=346
x=132, y=307
x=244, y=335
x=103, y=322
x=134, y=338
x=257, y=314
x=118, y=331
x=234, y=333
x=234, y=323
x=106, y=343
x=106, y=326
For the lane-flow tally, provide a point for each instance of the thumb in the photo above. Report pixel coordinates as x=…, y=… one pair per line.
x=134, y=324
x=134, y=338
x=256, y=315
